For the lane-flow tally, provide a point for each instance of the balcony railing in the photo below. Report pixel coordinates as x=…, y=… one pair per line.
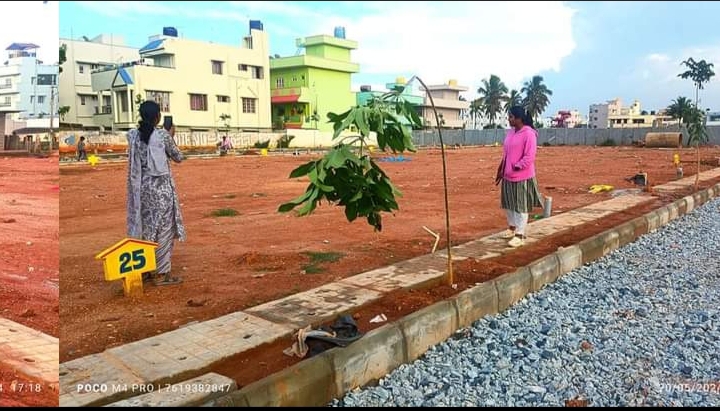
x=103, y=110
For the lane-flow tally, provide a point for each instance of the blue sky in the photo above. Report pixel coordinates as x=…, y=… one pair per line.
x=588, y=52
x=41, y=29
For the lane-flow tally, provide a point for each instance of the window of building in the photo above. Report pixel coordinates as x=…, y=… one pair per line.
x=249, y=105
x=106, y=105
x=217, y=67
x=41, y=99
x=7, y=102
x=242, y=67
x=46, y=80
x=8, y=83
x=198, y=102
x=294, y=79
x=82, y=100
x=32, y=99
x=279, y=82
x=32, y=80
x=160, y=97
x=257, y=73
x=123, y=102
x=81, y=68
x=223, y=99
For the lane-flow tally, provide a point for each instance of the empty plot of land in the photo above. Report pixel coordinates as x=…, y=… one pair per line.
x=235, y=262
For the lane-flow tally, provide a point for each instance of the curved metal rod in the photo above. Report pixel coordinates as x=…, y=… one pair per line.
x=451, y=276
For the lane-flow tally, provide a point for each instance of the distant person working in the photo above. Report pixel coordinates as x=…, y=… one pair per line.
x=81, y=150
x=225, y=146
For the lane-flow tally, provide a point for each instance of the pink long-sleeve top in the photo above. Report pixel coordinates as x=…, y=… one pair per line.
x=519, y=149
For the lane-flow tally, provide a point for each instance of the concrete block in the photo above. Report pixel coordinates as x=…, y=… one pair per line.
x=626, y=233
x=689, y=204
x=599, y=245
x=570, y=258
x=190, y=393
x=544, y=271
x=308, y=383
x=701, y=197
x=368, y=359
x=428, y=327
x=653, y=221
x=475, y=303
x=512, y=287
x=673, y=211
x=94, y=380
x=664, y=215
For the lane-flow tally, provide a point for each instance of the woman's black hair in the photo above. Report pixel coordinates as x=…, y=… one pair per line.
x=149, y=113
x=522, y=114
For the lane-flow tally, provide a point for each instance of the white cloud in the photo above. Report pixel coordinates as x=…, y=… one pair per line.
x=31, y=22
x=660, y=82
x=439, y=41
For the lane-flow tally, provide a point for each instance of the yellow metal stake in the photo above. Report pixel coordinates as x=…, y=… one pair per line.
x=127, y=260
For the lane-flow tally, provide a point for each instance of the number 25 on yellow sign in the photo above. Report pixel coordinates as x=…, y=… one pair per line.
x=127, y=260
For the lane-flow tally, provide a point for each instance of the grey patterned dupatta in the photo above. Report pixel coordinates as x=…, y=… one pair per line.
x=134, y=185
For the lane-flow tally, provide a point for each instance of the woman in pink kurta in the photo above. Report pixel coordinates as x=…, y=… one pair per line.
x=519, y=188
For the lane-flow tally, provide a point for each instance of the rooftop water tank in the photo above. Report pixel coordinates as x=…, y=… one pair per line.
x=365, y=88
x=452, y=83
x=400, y=80
x=340, y=32
x=256, y=25
x=170, y=31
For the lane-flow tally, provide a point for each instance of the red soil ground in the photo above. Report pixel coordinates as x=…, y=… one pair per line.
x=29, y=275
x=237, y=262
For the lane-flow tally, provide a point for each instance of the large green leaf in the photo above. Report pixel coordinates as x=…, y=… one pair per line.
x=302, y=170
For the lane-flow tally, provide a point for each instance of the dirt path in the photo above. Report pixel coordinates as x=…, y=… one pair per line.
x=232, y=263
x=29, y=274
x=29, y=271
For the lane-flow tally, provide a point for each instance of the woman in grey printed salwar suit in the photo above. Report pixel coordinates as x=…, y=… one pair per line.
x=153, y=209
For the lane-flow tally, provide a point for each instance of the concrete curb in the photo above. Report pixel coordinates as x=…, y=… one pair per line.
x=318, y=380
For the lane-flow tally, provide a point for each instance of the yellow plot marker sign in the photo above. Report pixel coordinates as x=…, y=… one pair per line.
x=93, y=160
x=126, y=260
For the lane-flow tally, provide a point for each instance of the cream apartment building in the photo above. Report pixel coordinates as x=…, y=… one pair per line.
x=612, y=114
x=448, y=104
x=203, y=86
x=89, y=108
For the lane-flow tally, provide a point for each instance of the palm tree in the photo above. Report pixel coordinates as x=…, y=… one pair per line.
x=700, y=72
x=680, y=110
x=514, y=99
x=476, y=110
x=493, y=93
x=537, y=96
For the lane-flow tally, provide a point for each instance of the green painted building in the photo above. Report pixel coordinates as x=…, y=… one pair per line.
x=306, y=87
x=365, y=94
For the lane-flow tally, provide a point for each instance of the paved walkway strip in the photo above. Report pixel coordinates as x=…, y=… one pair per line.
x=30, y=353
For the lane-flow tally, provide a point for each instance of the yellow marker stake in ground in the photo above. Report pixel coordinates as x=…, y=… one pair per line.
x=126, y=260
x=93, y=160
